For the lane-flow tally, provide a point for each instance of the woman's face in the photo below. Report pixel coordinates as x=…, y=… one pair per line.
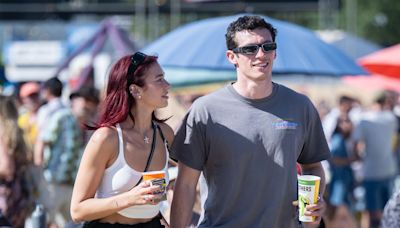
x=345, y=125
x=155, y=89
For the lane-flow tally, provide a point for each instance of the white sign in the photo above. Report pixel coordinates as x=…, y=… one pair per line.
x=33, y=60
x=43, y=53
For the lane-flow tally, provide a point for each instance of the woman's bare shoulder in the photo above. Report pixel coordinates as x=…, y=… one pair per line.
x=168, y=132
x=104, y=138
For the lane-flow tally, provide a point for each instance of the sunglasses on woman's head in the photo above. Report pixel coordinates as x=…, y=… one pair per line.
x=136, y=59
x=253, y=49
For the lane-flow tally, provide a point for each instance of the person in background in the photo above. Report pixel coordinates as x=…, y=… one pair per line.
x=391, y=103
x=51, y=92
x=342, y=180
x=373, y=138
x=29, y=94
x=330, y=120
x=64, y=139
x=391, y=213
x=246, y=139
x=85, y=103
x=129, y=141
x=16, y=201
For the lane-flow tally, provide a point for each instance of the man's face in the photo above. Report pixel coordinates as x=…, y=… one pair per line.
x=31, y=102
x=258, y=66
x=83, y=109
x=346, y=106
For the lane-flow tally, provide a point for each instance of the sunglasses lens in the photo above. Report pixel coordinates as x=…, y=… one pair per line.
x=136, y=60
x=268, y=47
x=251, y=49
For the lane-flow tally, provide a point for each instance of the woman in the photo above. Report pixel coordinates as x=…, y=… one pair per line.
x=128, y=140
x=341, y=186
x=15, y=195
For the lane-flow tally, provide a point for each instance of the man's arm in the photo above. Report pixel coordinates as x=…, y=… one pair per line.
x=317, y=209
x=38, y=152
x=184, y=196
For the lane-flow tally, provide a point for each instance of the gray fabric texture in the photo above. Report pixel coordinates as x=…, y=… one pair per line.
x=377, y=129
x=247, y=150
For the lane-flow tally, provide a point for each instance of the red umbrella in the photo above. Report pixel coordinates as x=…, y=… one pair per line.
x=385, y=61
x=373, y=82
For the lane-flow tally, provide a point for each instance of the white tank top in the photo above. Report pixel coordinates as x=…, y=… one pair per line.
x=120, y=177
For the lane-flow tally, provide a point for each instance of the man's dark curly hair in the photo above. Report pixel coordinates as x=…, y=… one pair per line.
x=246, y=23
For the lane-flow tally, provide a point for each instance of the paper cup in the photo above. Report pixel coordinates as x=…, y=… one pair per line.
x=308, y=186
x=157, y=178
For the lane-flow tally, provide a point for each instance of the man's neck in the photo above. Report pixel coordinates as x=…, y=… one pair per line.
x=254, y=89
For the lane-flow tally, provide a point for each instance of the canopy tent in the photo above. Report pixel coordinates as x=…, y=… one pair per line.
x=119, y=40
x=195, y=53
x=385, y=61
x=354, y=46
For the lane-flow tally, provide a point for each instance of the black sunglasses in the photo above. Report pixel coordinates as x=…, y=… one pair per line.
x=136, y=59
x=253, y=49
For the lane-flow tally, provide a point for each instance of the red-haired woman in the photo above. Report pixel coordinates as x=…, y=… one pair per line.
x=129, y=140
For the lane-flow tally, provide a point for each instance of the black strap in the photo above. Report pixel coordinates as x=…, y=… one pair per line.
x=165, y=142
x=161, y=134
x=153, y=147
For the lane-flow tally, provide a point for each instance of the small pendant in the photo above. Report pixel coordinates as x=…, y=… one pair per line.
x=146, y=140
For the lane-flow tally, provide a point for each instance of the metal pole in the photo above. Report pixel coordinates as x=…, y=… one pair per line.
x=175, y=16
x=140, y=20
x=351, y=16
x=153, y=25
x=322, y=12
x=351, y=23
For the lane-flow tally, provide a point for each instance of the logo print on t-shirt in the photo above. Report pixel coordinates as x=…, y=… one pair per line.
x=282, y=124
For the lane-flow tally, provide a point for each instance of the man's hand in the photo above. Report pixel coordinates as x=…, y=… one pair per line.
x=316, y=210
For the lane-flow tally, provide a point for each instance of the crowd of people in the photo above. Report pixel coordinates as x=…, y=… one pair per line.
x=237, y=153
x=44, y=138
x=365, y=164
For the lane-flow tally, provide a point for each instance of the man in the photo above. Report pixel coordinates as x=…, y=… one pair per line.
x=51, y=92
x=65, y=139
x=246, y=139
x=84, y=104
x=376, y=132
x=29, y=94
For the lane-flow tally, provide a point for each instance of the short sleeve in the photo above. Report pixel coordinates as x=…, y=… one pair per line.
x=189, y=146
x=315, y=147
x=50, y=130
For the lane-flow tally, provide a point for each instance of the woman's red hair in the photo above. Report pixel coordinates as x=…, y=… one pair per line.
x=118, y=101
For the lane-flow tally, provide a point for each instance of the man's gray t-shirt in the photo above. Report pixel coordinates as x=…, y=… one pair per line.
x=377, y=129
x=247, y=150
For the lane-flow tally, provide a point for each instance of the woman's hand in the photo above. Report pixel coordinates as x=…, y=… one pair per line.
x=143, y=194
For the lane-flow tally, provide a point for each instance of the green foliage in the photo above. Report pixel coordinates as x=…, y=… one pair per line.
x=379, y=21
